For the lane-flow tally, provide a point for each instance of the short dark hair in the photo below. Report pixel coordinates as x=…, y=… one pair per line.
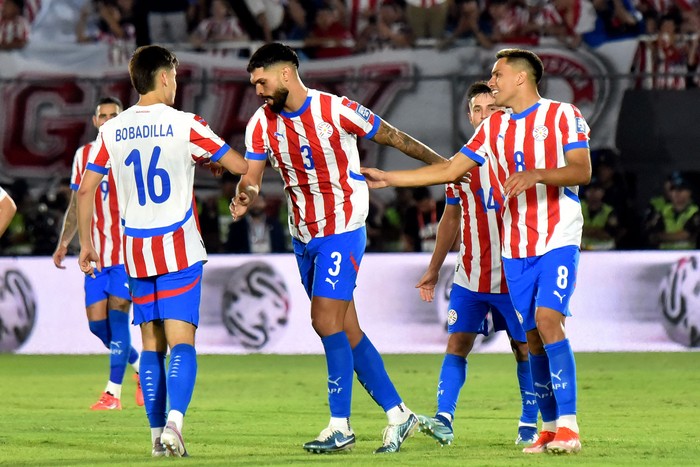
x=525, y=58
x=109, y=100
x=144, y=66
x=271, y=54
x=480, y=87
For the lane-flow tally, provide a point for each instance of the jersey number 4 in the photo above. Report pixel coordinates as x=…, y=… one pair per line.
x=154, y=172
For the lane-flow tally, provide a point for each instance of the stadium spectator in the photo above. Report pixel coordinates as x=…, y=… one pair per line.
x=567, y=20
x=14, y=27
x=601, y=226
x=466, y=24
x=360, y=11
x=677, y=224
x=168, y=21
x=259, y=232
x=473, y=209
x=506, y=22
x=427, y=18
x=269, y=16
x=7, y=210
x=107, y=299
x=221, y=26
x=329, y=38
x=540, y=267
x=616, y=19
x=394, y=218
x=421, y=222
x=387, y=30
x=163, y=250
x=328, y=225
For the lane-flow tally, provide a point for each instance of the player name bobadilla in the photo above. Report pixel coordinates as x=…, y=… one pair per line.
x=144, y=131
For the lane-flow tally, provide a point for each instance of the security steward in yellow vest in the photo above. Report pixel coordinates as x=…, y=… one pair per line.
x=600, y=223
x=678, y=223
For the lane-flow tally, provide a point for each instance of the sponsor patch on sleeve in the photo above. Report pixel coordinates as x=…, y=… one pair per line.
x=580, y=125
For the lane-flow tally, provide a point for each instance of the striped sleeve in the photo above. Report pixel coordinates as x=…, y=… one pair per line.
x=255, y=147
x=573, y=127
x=451, y=195
x=357, y=119
x=76, y=174
x=99, y=160
x=477, y=149
x=204, y=143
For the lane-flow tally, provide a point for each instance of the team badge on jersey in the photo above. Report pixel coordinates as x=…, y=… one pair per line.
x=540, y=133
x=580, y=125
x=451, y=317
x=324, y=130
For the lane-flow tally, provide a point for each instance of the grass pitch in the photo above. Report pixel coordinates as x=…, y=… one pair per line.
x=634, y=409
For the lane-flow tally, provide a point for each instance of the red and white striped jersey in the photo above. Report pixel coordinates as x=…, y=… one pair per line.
x=315, y=151
x=106, y=233
x=543, y=217
x=582, y=19
x=152, y=152
x=479, y=267
x=358, y=11
x=12, y=30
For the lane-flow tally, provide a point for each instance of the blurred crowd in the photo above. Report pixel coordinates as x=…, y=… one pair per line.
x=667, y=30
x=405, y=223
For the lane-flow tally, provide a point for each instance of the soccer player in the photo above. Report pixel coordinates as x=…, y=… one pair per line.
x=311, y=139
x=7, y=210
x=540, y=153
x=107, y=299
x=474, y=208
x=151, y=150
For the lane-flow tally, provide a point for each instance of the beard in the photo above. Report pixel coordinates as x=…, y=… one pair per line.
x=279, y=99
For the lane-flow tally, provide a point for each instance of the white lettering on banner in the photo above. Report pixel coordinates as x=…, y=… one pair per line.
x=615, y=307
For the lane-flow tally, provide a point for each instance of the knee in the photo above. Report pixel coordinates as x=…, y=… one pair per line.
x=520, y=350
x=460, y=343
x=118, y=303
x=101, y=330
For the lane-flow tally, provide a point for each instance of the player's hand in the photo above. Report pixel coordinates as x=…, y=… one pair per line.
x=239, y=206
x=426, y=285
x=59, y=255
x=466, y=178
x=375, y=178
x=215, y=168
x=520, y=181
x=88, y=257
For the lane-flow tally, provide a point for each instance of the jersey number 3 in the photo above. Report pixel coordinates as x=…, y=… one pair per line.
x=154, y=172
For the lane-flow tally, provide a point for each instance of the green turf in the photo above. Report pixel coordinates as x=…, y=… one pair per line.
x=634, y=409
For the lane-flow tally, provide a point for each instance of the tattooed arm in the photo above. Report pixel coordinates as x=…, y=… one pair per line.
x=391, y=136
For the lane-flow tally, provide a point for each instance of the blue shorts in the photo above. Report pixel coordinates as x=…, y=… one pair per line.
x=468, y=311
x=542, y=281
x=110, y=281
x=174, y=295
x=329, y=265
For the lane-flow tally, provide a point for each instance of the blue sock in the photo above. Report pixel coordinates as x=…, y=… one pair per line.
x=133, y=355
x=154, y=387
x=371, y=373
x=101, y=330
x=527, y=393
x=339, y=361
x=119, y=345
x=542, y=386
x=452, y=377
x=181, y=376
x=563, y=373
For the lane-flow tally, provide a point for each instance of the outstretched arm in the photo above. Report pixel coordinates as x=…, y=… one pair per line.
x=447, y=231
x=453, y=170
x=389, y=135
